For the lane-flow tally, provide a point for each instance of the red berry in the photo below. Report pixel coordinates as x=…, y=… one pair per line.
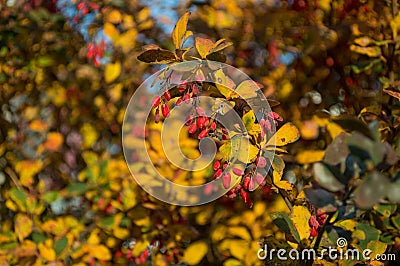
x=225, y=137
x=246, y=182
x=192, y=128
x=179, y=101
x=314, y=232
x=156, y=101
x=85, y=11
x=208, y=189
x=80, y=5
x=167, y=95
x=313, y=222
x=226, y=180
x=261, y=162
x=213, y=126
x=217, y=165
x=225, y=165
x=237, y=171
x=165, y=110
x=203, y=134
x=182, y=87
x=201, y=121
x=200, y=111
x=218, y=173
x=195, y=90
x=251, y=185
x=330, y=62
x=189, y=120
x=246, y=198
x=259, y=179
x=186, y=98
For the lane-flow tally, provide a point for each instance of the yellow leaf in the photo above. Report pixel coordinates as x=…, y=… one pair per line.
x=288, y=133
x=334, y=129
x=283, y=184
x=112, y=72
x=143, y=14
x=310, y=156
x=46, y=252
x=224, y=84
x=23, y=226
x=247, y=89
x=300, y=217
x=248, y=120
x=121, y=233
x=195, y=252
x=377, y=247
x=204, y=46
x=94, y=238
x=114, y=17
x=53, y=141
x=239, y=231
x=373, y=51
x=139, y=247
x=232, y=262
x=238, y=248
x=89, y=135
x=127, y=40
x=111, y=31
x=179, y=30
x=101, y=252
x=238, y=148
x=27, y=170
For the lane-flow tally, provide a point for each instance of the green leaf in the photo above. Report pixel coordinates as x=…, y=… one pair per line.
x=77, y=188
x=38, y=237
x=107, y=222
x=19, y=197
x=60, y=245
x=50, y=196
x=283, y=221
x=45, y=61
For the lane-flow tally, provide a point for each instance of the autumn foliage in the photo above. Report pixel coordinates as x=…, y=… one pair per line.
x=328, y=147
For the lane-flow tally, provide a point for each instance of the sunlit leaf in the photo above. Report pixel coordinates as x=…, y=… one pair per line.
x=373, y=51
x=288, y=133
x=23, y=226
x=112, y=72
x=249, y=121
x=179, y=30
x=310, y=156
x=195, y=252
x=300, y=216
x=203, y=46
x=247, y=89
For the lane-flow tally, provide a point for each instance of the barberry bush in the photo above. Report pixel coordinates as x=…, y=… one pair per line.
x=330, y=71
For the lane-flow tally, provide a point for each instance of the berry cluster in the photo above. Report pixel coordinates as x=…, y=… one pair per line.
x=316, y=221
x=95, y=52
